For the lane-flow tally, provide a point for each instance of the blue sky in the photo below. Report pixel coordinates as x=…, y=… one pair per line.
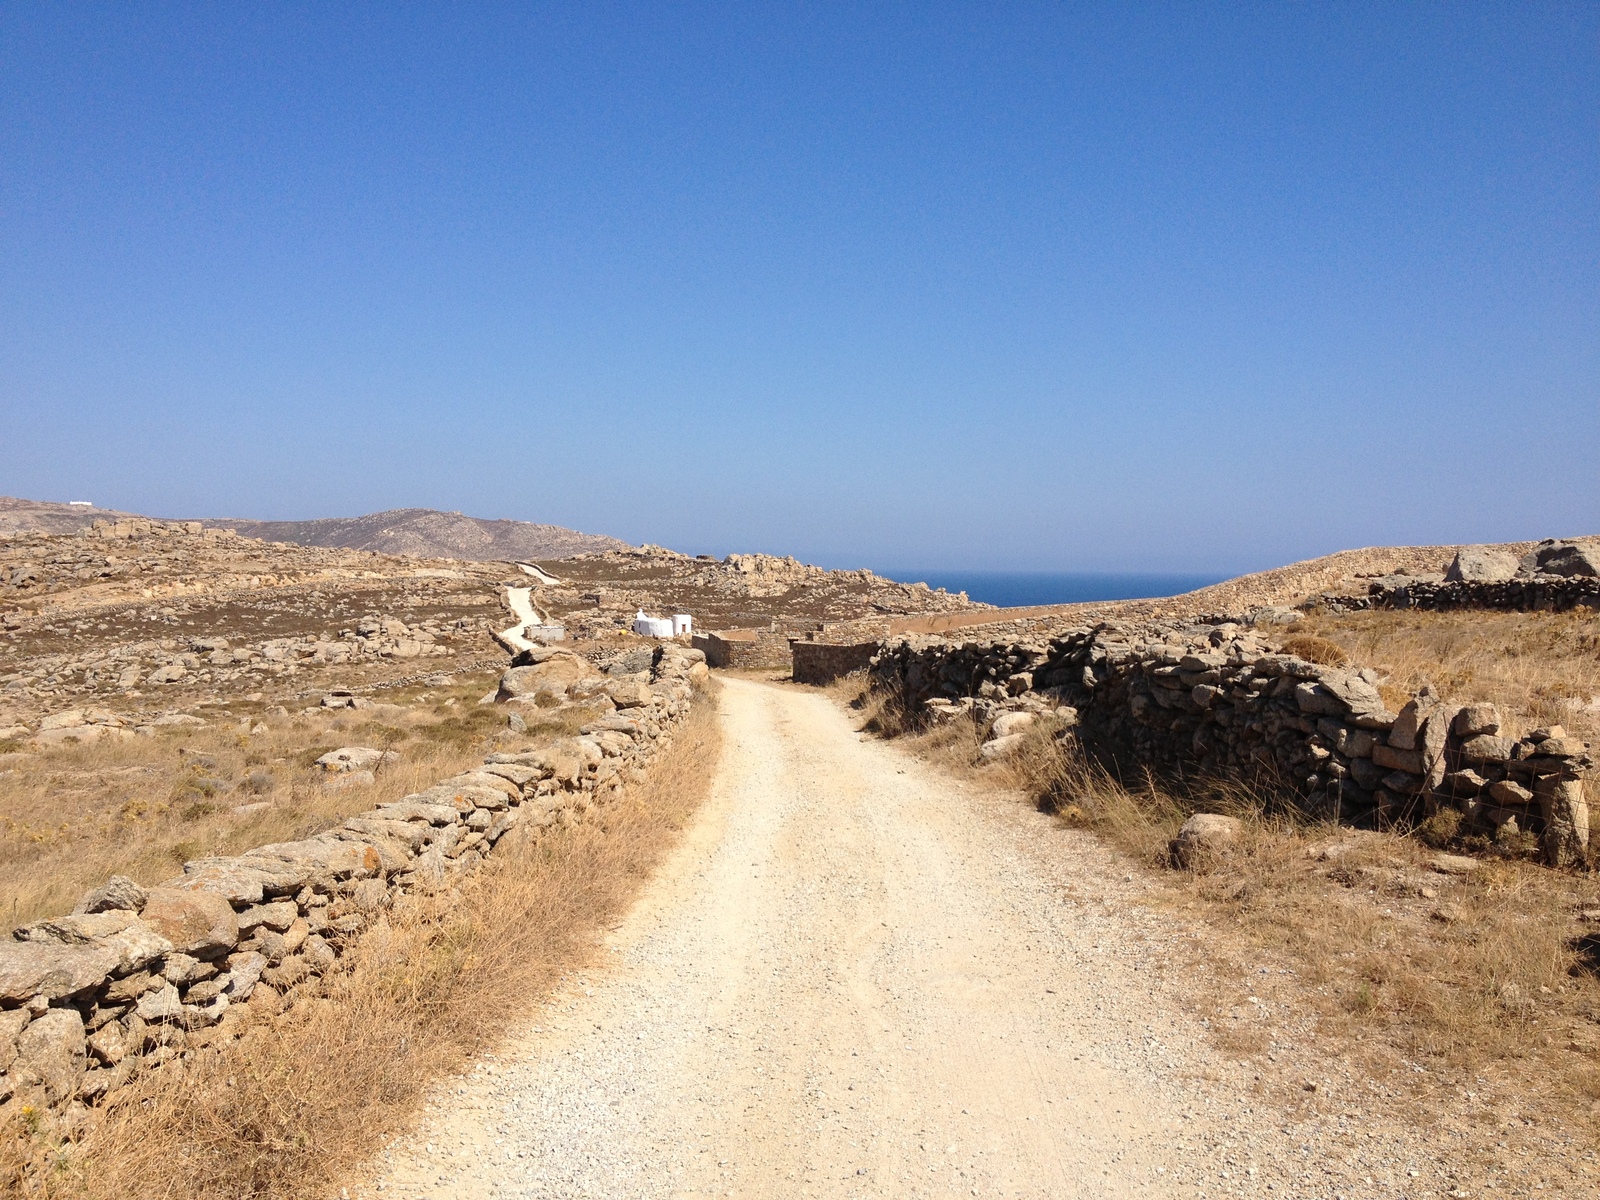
x=1064, y=287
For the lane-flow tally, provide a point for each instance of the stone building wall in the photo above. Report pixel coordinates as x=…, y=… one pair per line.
x=823, y=662
x=743, y=648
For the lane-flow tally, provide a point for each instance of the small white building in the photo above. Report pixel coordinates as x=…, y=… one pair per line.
x=647, y=626
x=682, y=624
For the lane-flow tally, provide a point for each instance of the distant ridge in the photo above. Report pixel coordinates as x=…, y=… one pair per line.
x=48, y=516
x=424, y=532
x=430, y=534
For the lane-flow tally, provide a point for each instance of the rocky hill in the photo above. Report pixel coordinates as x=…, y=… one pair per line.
x=427, y=533
x=423, y=532
x=599, y=591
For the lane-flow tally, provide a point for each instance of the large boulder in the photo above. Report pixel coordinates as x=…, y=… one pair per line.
x=1555, y=557
x=1481, y=564
x=552, y=676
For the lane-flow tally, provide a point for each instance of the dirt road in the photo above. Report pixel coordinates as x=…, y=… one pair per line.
x=858, y=978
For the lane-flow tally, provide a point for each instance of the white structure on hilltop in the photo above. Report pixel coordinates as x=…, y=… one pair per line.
x=656, y=627
x=682, y=624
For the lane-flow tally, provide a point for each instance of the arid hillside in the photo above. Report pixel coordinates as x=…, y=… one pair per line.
x=740, y=591
x=419, y=531
x=135, y=653
x=432, y=534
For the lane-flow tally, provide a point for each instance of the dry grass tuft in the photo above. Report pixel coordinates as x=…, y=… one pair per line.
x=306, y=1097
x=1315, y=649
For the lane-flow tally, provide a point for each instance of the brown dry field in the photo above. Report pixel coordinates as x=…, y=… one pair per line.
x=1540, y=668
x=74, y=816
x=306, y=1096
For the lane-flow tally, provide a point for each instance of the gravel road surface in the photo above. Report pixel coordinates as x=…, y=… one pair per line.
x=856, y=977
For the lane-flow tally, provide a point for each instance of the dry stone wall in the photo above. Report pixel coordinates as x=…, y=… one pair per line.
x=746, y=648
x=136, y=976
x=1557, y=574
x=823, y=662
x=1209, y=699
x=1533, y=594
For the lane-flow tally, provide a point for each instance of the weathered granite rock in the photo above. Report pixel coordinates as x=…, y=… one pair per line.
x=355, y=758
x=1001, y=747
x=1481, y=564
x=162, y=1004
x=118, y=892
x=279, y=915
x=1009, y=723
x=1504, y=791
x=1566, y=820
x=323, y=857
x=1474, y=719
x=12, y=1022
x=629, y=692
x=51, y=1051
x=29, y=969
x=1487, y=747
x=1555, y=557
x=551, y=676
x=198, y=923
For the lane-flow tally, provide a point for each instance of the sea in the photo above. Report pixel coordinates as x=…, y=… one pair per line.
x=1015, y=589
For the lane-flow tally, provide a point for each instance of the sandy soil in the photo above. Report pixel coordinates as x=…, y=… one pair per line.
x=857, y=977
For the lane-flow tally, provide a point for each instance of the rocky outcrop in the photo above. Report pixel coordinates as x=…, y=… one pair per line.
x=138, y=976
x=1574, y=559
x=1480, y=564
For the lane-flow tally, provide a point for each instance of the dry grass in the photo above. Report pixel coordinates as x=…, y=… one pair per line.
x=305, y=1098
x=1541, y=668
x=1460, y=969
x=1315, y=649
x=71, y=817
